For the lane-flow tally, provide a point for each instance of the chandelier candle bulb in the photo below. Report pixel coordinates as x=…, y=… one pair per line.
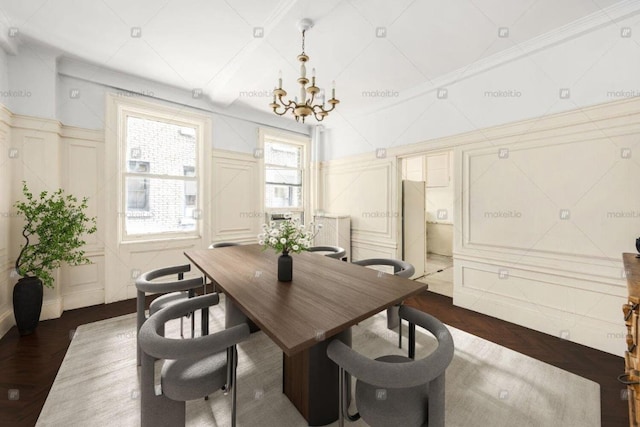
x=333, y=89
x=280, y=79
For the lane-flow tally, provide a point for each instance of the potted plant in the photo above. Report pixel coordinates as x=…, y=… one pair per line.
x=55, y=225
x=288, y=236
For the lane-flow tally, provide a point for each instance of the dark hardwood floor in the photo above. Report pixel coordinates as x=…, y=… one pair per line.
x=29, y=364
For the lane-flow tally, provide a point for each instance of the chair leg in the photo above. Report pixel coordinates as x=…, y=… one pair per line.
x=344, y=395
x=412, y=340
x=234, y=358
x=141, y=317
x=399, y=332
x=230, y=371
x=341, y=399
x=156, y=410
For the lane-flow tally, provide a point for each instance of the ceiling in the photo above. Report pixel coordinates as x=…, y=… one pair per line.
x=233, y=50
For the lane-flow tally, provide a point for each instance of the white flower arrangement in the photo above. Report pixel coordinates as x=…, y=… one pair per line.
x=288, y=236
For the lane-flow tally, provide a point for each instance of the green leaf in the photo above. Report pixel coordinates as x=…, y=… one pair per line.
x=55, y=224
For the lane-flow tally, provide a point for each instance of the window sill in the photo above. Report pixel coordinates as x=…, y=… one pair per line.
x=178, y=239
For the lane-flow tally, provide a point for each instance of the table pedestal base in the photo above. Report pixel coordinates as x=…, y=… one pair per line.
x=310, y=381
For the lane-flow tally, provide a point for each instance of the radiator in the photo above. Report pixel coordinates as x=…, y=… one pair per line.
x=335, y=231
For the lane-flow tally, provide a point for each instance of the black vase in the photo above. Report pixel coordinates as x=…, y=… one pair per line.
x=285, y=268
x=27, y=304
x=638, y=244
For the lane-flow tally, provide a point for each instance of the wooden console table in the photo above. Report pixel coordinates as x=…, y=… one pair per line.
x=631, y=377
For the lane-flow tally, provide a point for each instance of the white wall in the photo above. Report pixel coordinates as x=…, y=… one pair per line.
x=590, y=66
x=543, y=210
x=4, y=76
x=32, y=80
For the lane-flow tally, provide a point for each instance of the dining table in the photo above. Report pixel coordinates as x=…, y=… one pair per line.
x=324, y=299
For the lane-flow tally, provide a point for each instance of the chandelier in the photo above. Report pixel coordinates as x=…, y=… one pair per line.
x=304, y=105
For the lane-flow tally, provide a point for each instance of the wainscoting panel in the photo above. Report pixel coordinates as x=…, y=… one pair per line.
x=364, y=250
x=236, y=207
x=83, y=176
x=547, y=205
x=366, y=190
x=544, y=219
x=7, y=213
x=576, y=310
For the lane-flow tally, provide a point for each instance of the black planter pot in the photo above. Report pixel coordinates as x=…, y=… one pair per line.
x=285, y=268
x=27, y=304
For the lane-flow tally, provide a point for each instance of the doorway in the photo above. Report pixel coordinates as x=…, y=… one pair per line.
x=435, y=171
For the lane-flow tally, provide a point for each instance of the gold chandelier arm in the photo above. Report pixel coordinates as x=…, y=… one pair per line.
x=289, y=105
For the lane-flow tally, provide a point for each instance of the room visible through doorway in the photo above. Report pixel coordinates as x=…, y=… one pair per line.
x=434, y=263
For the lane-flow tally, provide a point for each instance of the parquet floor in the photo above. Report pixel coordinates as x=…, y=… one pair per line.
x=29, y=364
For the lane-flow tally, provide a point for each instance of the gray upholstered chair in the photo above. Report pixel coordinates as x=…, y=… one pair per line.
x=397, y=390
x=222, y=245
x=400, y=268
x=333, y=251
x=192, y=368
x=174, y=291
x=233, y=316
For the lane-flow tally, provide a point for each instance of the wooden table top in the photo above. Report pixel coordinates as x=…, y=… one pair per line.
x=325, y=297
x=632, y=271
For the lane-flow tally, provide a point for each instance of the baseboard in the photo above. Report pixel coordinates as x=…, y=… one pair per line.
x=83, y=299
x=7, y=321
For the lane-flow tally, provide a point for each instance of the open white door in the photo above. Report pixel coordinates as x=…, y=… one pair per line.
x=414, y=231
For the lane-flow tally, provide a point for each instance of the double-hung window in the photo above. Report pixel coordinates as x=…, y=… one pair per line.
x=285, y=175
x=160, y=175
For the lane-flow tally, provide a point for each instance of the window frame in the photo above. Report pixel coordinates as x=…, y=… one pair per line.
x=172, y=116
x=302, y=141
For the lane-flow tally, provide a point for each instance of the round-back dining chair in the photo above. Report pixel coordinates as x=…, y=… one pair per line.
x=396, y=390
x=400, y=268
x=332, y=251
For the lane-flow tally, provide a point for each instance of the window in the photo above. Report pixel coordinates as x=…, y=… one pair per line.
x=284, y=170
x=160, y=179
x=286, y=183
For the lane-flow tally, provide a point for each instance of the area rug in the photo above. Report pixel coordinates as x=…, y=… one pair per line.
x=486, y=384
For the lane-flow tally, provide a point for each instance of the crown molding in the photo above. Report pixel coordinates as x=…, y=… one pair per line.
x=600, y=120
x=128, y=84
x=577, y=28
